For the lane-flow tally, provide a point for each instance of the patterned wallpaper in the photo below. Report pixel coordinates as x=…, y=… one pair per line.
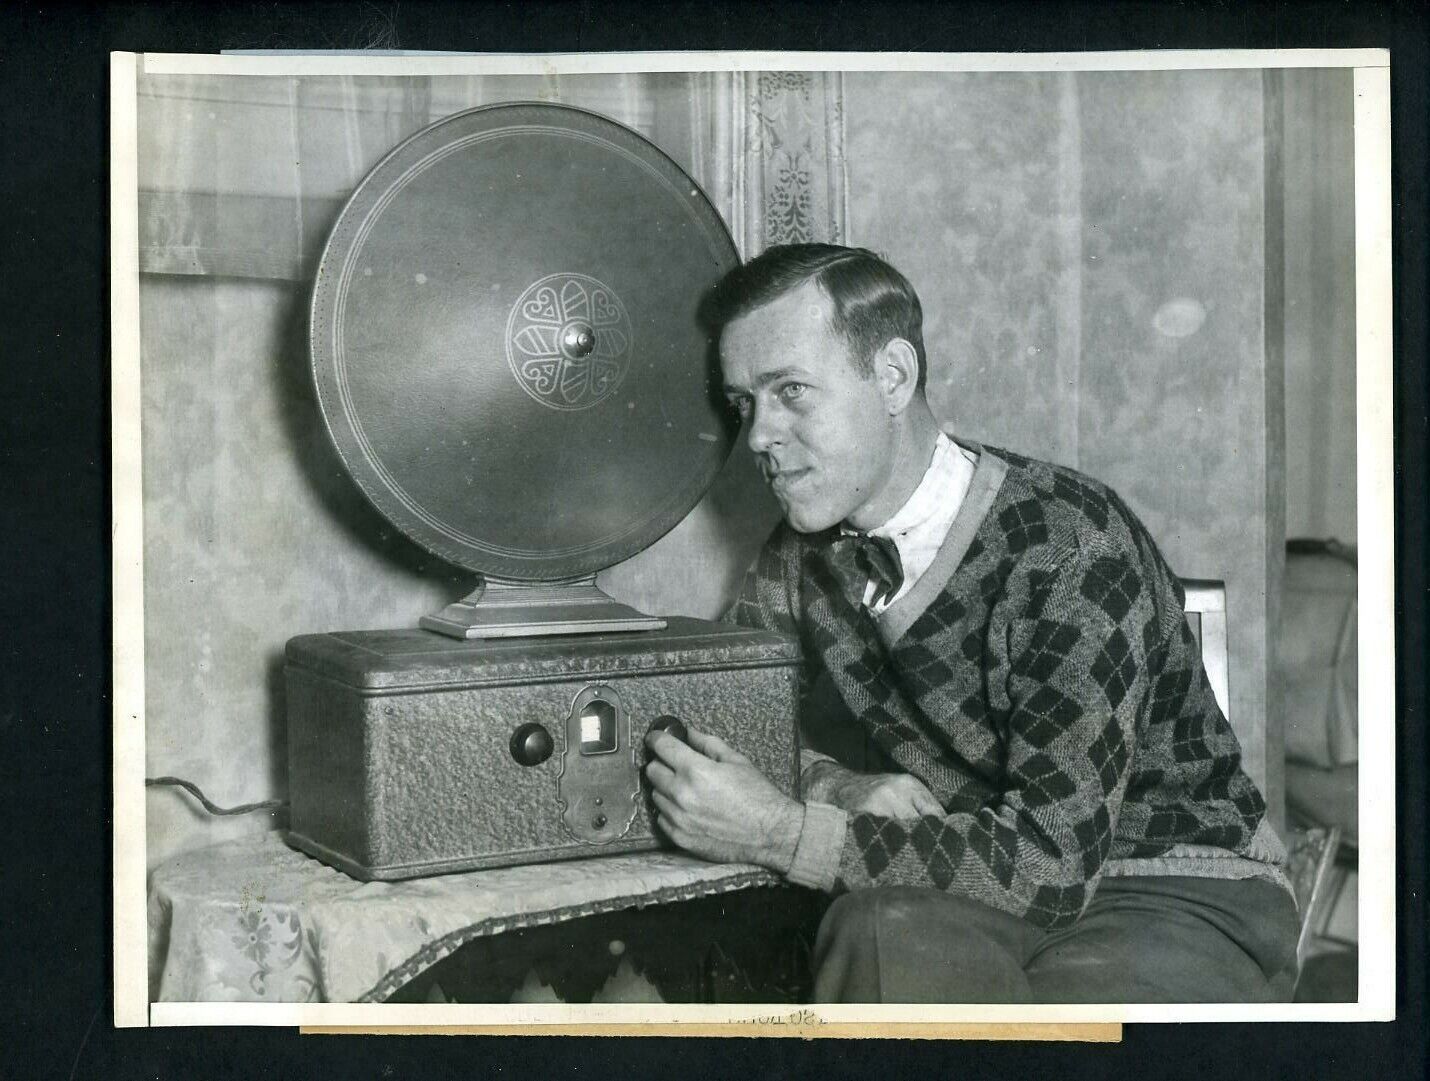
x=969, y=184
x=1176, y=406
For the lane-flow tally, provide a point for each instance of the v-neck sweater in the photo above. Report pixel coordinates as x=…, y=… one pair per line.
x=1042, y=681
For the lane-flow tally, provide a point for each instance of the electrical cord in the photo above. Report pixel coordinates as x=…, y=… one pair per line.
x=209, y=806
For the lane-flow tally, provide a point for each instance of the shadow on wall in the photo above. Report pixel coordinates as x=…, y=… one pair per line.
x=312, y=449
x=742, y=511
x=742, y=514
x=739, y=507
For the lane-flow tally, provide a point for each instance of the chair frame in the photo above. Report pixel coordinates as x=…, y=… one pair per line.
x=1206, y=599
x=1316, y=848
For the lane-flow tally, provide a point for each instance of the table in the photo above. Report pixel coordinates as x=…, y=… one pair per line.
x=255, y=920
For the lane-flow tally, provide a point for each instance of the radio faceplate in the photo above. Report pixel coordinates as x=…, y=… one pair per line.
x=600, y=771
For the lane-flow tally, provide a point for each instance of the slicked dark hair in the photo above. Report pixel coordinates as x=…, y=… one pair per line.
x=872, y=302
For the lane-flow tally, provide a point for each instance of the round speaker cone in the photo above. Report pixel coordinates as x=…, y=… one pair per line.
x=506, y=343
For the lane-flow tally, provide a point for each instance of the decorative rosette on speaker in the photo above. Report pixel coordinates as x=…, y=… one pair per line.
x=568, y=341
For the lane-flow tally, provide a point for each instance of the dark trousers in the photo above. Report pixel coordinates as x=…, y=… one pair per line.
x=1145, y=939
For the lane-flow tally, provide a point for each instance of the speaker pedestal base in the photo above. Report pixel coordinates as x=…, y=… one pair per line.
x=497, y=609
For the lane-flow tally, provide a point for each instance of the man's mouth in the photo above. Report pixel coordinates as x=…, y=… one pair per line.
x=781, y=479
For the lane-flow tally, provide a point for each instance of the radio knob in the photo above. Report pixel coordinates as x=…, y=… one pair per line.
x=531, y=744
x=673, y=725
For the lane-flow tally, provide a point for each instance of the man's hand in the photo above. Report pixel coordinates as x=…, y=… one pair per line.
x=712, y=801
x=892, y=795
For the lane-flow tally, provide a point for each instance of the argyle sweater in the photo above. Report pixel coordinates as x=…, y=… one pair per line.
x=1051, y=696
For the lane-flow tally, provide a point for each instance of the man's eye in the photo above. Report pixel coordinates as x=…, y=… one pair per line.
x=791, y=391
x=741, y=406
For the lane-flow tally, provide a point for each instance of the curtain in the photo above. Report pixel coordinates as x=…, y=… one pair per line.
x=788, y=147
x=243, y=176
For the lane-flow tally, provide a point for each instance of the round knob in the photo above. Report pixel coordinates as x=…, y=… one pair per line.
x=672, y=725
x=531, y=744
x=577, y=340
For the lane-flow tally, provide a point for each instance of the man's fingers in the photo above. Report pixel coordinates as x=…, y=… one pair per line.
x=902, y=801
x=910, y=809
x=662, y=777
x=712, y=746
x=671, y=750
x=888, y=805
x=663, y=804
x=709, y=745
x=925, y=802
x=670, y=820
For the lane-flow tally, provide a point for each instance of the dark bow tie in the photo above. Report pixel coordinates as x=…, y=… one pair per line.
x=875, y=558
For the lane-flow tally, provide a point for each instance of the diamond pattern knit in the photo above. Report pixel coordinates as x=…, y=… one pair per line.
x=1052, y=697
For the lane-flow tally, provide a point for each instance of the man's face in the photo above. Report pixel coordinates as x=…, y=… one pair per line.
x=819, y=427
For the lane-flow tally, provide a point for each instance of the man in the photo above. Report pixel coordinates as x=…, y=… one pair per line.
x=1030, y=793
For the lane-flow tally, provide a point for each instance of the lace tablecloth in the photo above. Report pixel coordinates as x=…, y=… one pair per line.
x=254, y=920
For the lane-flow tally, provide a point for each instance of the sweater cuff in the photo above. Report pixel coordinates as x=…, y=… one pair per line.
x=821, y=842
x=808, y=759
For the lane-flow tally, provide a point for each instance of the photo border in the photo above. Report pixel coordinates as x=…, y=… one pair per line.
x=1375, y=524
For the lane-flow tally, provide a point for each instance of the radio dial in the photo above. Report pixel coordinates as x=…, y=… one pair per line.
x=531, y=744
x=672, y=725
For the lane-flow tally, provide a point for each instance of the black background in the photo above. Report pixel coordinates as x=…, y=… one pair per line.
x=55, y=924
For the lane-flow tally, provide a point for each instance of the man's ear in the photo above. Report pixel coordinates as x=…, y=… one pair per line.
x=896, y=367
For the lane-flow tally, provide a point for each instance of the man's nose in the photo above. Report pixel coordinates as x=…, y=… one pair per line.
x=763, y=433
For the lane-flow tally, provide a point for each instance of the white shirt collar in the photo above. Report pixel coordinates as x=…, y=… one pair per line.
x=919, y=527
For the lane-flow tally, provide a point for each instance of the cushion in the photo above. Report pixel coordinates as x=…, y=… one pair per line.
x=1324, y=797
x=1315, y=658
